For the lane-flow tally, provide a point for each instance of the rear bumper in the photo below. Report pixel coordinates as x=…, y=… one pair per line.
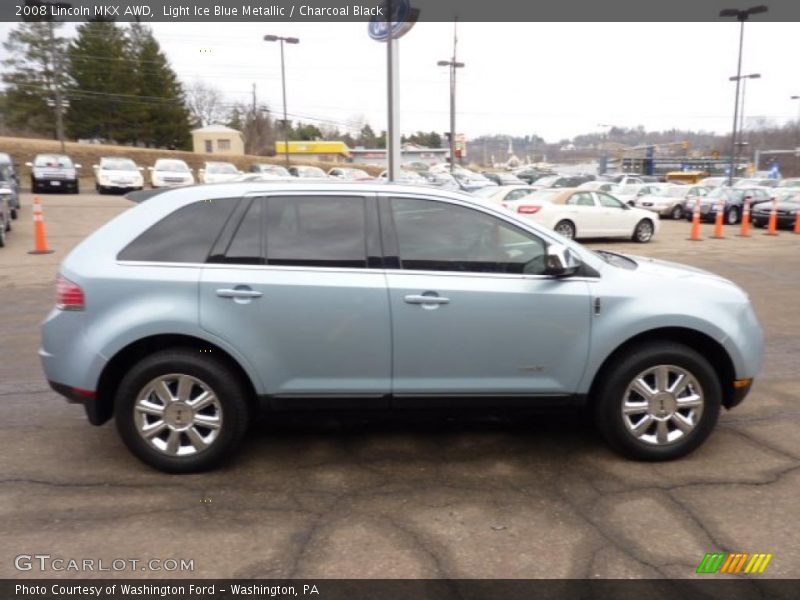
x=88, y=398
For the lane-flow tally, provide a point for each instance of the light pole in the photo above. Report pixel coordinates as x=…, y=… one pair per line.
x=453, y=64
x=288, y=40
x=741, y=16
x=743, y=79
x=797, y=124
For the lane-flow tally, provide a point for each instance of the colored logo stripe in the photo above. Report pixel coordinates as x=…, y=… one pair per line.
x=733, y=563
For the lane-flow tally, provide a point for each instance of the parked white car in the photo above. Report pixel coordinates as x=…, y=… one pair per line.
x=576, y=213
x=170, y=172
x=218, y=172
x=115, y=173
x=630, y=192
x=671, y=201
x=503, y=193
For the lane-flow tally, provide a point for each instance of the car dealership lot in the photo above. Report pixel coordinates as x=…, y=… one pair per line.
x=412, y=496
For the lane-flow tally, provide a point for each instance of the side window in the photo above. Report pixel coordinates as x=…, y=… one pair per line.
x=609, y=201
x=580, y=199
x=184, y=236
x=246, y=246
x=516, y=195
x=438, y=236
x=316, y=231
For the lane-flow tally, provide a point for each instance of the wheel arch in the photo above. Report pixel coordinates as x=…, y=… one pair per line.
x=712, y=350
x=118, y=365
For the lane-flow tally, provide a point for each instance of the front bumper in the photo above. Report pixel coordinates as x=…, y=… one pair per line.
x=741, y=387
x=56, y=184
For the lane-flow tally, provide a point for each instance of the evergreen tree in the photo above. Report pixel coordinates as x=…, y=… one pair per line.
x=164, y=118
x=33, y=62
x=101, y=100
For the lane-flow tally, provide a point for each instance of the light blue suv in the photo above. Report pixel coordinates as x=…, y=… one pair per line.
x=184, y=315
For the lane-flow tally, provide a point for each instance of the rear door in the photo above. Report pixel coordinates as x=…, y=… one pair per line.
x=297, y=287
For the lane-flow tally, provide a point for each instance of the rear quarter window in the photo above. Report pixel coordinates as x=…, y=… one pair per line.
x=184, y=236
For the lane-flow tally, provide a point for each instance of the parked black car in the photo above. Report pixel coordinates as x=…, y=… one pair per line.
x=530, y=174
x=733, y=203
x=503, y=178
x=787, y=210
x=54, y=172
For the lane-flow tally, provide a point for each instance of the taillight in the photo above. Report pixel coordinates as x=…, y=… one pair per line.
x=528, y=209
x=69, y=295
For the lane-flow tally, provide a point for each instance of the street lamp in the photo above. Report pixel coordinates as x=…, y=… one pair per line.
x=453, y=64
x=797, y=125
x=288, y=40
x=743, y=79
x=741, y=16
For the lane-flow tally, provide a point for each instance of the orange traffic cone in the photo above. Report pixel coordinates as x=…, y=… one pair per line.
x=745, y=230
x=718, y=229
x=695, y=235
x=797, y=220
x=772, y=224
x=38, y=229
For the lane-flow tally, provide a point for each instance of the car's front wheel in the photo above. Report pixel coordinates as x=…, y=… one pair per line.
x=733, y=216
x=181, y=412
x=643, y=232
x=677, y=212
x=658, y=401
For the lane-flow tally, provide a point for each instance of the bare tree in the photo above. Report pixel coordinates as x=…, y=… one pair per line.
x=206, y=103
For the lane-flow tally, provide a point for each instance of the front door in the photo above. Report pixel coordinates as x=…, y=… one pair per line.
x=472, y=312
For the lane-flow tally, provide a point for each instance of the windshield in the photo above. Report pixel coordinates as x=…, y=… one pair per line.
x=171, y=165
x=354, y=174
x=546, y=181
x=310, y=172
x=53, y=160
x=221, y=167
x=274, y=170
x=673, y=192
x=119, y=164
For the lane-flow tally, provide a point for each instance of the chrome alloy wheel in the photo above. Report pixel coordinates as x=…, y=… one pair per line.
x=662, y=405
x=178, y=415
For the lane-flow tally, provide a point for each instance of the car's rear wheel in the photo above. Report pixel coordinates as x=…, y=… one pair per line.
x=2, y=237
x=659, y=401
x=733, y=216
x=677, y=212
x=14, y=214
x=643, y=232
x=565, y=228
x=181, y=412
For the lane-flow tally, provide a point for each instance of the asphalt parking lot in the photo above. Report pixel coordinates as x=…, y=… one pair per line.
x=387, y=496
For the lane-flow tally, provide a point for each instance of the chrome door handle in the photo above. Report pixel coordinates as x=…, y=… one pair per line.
x=422, y=299
x=234, y=293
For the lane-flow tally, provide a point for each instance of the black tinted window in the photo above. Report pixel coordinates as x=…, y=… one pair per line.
x=185, y=235
x=246, y=243
x=436, y=236
x=321, y=231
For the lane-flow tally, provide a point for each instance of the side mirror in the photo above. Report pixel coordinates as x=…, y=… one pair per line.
x=95, y=167
x=560, y=261
x=28, y=164
x=77, y=166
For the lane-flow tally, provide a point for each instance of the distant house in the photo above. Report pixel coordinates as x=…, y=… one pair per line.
x=218, y=139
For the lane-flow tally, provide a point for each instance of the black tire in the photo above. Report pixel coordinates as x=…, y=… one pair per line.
x=566, y=228
x=677, y=212
x=14, y=214
x=610, y=394
x=34, y=187
x=231, y=393
x=2, y=237
x=76, y=188
x=732, y=217
x=644, y=231
x=100, y=189
x=8, y=225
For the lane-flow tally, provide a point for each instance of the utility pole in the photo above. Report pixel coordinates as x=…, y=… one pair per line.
x=55, y=63
x=453, y=64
